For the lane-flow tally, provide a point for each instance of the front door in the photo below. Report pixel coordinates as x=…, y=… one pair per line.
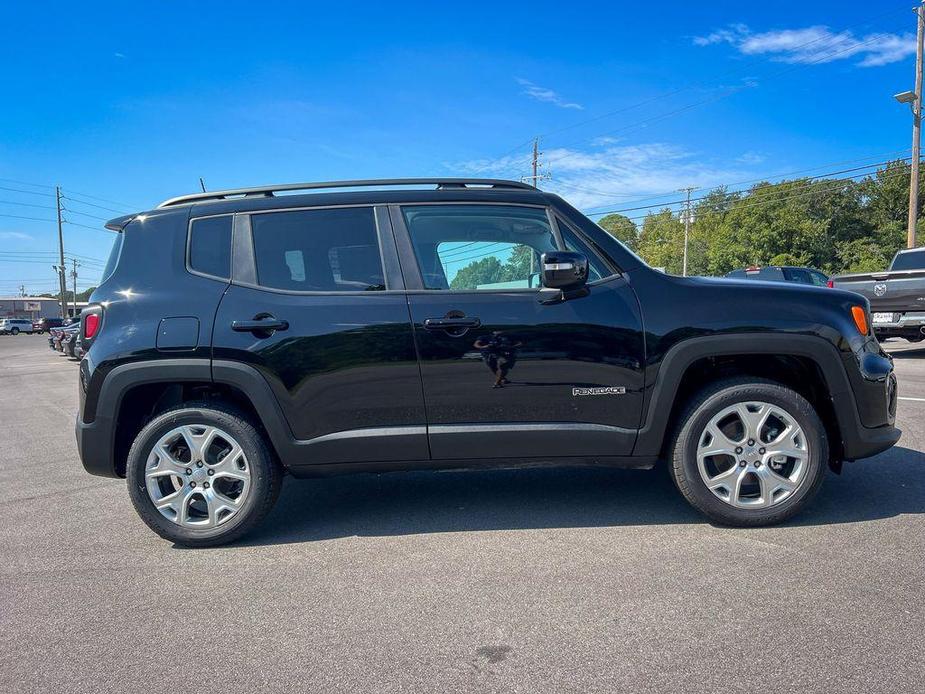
x=506, y=372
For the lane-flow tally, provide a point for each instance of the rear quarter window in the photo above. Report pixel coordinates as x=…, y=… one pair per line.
x=210, y=246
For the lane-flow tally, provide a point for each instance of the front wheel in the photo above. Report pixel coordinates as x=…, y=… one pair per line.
x=201, y=475
x=749, y=453
x=14, y=331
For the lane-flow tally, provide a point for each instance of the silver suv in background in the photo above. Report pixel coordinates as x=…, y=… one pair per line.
x=14, y=326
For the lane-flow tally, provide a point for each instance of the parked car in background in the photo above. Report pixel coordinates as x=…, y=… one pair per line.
x=344, y=313
x=14, y=326
x=897, y=296
x=782, y=273
x=43, y=325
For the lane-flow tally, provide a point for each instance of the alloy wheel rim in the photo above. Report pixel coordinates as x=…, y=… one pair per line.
x=197, y=476
x=753, y=455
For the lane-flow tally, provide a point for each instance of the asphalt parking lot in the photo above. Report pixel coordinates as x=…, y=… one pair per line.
x=525, y=581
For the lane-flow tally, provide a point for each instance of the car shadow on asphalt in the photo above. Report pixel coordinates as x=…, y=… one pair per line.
x=409, y=503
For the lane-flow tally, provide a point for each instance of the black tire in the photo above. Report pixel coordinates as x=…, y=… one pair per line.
x=266, y=473
x=14, y=331
x=692, y=423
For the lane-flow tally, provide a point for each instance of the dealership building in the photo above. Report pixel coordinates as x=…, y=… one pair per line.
x=33, y=307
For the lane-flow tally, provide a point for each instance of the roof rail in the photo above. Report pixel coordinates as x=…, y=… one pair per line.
x=268, y=191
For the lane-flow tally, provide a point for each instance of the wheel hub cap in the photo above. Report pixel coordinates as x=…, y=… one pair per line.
x=752, y=455
x=197, y=476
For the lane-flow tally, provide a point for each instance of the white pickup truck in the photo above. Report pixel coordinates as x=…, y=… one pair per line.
x=897, y=296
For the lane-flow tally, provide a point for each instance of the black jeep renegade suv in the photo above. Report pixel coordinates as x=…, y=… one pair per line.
x=432, y=323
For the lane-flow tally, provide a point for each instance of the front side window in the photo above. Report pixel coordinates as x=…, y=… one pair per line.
x=597, y=268
x=479, y=247
x=324, y=250
x=210, y=246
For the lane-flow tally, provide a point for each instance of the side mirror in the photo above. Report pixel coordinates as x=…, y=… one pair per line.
x=564, y=270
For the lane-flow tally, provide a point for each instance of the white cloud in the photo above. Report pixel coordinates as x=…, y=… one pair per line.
x=18, y=235
x=118, y=55
x=612, y=175
x=815, y=44
x=534, y=91
x=751, y=158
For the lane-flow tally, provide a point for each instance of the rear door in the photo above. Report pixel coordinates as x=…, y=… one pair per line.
x=507, y=371
x=344, y=368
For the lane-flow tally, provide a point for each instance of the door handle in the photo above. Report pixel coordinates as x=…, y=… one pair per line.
x=463, y=322
x=262, y=325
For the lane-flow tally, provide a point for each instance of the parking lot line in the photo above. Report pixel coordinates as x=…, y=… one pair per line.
x=913, y=399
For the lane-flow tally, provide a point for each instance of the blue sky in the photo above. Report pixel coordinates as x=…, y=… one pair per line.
x=131, y=102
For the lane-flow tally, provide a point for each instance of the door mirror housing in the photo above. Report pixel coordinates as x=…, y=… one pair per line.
x=564, y=270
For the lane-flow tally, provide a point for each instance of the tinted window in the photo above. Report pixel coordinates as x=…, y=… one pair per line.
x=799, y=276
x=485, y=247
x=597, y=268
x=210, y=246
x=329, y=250
x=909, y=261
x=113, y=258
x=818, y=278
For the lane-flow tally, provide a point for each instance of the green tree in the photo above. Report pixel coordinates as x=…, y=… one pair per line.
x=621, y=228
x=661, y=241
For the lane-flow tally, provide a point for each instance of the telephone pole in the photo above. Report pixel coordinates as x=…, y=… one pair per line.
x=74, y=279
x=916, y=129
x=61, y=268
x=687, y=224
x=535, y=177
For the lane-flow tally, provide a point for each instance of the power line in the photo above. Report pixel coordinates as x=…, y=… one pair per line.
x=27, y=192
x=112, y=202
x=767, y=177
x=773, y=196
x=809, y=178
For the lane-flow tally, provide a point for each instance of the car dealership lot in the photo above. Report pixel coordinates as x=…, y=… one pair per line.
x=530, y=580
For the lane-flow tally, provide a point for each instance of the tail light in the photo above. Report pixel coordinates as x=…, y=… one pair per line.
x=830, y=284
x=91, y=322
x=91, y=325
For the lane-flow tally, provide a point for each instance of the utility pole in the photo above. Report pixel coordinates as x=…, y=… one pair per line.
x=535, y=177
x=22, y=290
x=74, y=279
x=687, y=224
x=61, y=268
x=916, y=129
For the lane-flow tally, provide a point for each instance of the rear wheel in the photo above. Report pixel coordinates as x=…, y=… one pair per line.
x=749, y=453
x=202, y=475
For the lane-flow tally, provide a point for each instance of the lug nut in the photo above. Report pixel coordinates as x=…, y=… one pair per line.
x=757, y=463
x=761, y=451
x=192, y=484
x=742, y=463
x=188, y=471
x=199, y=464
x=738, y=449
x=751, y=442
x=211, y=472
x=205, y=484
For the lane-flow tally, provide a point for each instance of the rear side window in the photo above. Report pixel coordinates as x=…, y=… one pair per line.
x=210, y=246
x=113, y=258
x=914, y=260
x=325, y=250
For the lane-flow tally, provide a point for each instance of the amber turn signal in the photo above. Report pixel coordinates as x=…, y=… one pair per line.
x=860, y=319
